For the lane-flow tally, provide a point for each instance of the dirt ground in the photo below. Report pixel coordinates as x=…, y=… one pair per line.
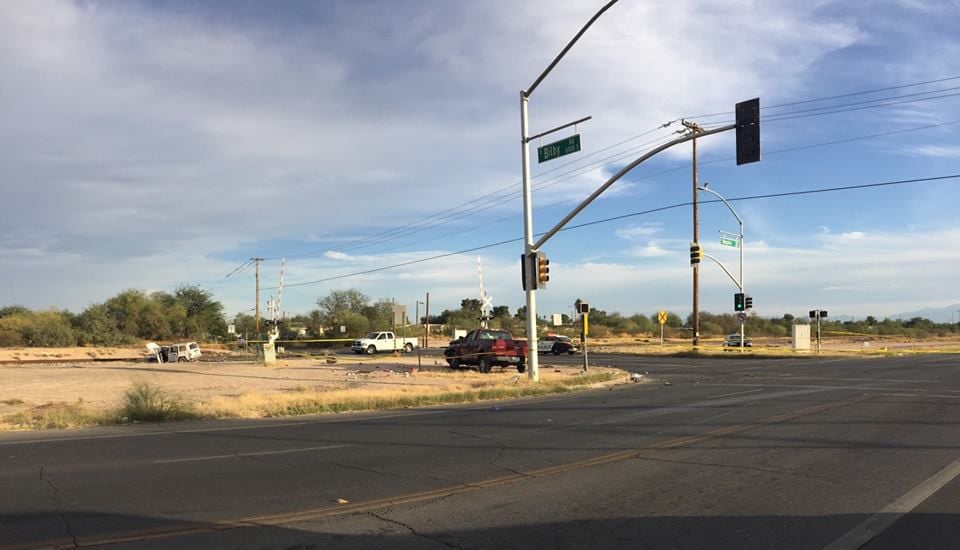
x=72, y=377
x=103, y=385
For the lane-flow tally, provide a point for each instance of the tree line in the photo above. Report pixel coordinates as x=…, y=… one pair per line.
x=190, y=313
x=187, y=313
x=358, y=314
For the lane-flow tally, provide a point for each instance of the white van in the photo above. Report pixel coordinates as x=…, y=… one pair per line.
x=186, y=351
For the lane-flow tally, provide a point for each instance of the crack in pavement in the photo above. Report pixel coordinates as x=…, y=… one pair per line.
x=400, y=474
x=415, y=532
x=493, y=462
x=831, y=480
x=59, y=509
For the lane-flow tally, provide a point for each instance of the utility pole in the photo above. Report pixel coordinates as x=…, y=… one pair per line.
x=426, y=337
x=695, y=129
x=257, y=309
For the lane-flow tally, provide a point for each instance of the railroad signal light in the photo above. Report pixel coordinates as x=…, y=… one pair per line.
x=738, y=302
x=748, y=302
x=696, y=254
x=543, y=270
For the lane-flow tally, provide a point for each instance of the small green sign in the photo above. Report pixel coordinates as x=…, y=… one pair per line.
x=729, y=242
x=560, y=148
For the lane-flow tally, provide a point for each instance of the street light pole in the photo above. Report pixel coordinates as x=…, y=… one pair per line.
x=533, y=363
x=740, y=243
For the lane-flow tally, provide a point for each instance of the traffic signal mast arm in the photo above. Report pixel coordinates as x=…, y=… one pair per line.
x=613, y=179
x=716, y=261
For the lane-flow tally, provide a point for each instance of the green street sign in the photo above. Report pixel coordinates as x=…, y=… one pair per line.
x=560, y=148
x=729, y=242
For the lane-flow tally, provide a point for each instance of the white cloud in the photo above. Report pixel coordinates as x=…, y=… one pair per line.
x=935, y=151
x=651, y=250
x=639, y=232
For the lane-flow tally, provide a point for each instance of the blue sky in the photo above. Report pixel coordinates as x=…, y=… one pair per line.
x=154, y=144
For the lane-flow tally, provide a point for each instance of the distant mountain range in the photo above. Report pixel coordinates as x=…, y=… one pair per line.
x=938, y=315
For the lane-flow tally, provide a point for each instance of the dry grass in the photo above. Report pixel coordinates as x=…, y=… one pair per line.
x=464, y=388
x=148, y=402
x=55, y=416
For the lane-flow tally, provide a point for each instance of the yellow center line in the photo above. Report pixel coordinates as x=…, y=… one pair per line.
x=412, y=498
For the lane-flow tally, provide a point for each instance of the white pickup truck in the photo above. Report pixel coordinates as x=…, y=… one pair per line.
x=383, y=341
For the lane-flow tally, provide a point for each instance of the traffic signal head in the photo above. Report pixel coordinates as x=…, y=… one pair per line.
x=748, y=302
x=813, y=314
x=696, y=254
x=748, y=131
x=543, y=270
x=823, y=314
x=583, y=307
x=738, y=301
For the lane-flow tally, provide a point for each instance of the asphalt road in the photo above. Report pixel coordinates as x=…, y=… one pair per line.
x=707, y=453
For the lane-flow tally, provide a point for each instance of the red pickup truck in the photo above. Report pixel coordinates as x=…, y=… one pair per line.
x=487, y=348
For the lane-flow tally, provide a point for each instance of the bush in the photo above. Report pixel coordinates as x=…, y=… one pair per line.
x=147, y=402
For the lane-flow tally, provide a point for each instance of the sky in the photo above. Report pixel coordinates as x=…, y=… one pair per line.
x=156, y=144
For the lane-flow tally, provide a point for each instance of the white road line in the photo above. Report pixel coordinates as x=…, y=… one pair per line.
x=242, y=455
x=921, y=395
x=879, y=522
x=919, y=392
x=904, y=381
x=264, y=425
x=734, y=393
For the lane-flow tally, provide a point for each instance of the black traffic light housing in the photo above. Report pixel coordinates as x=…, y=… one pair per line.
x=534, y=270
x=696, y=254
x=748, y=131
x=748, y=302
x=583, y=307
x=738, y=302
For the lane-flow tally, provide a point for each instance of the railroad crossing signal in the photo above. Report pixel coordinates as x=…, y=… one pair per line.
x=696, y=254
x=818, y=314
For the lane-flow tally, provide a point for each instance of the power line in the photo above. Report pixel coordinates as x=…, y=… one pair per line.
x=495, y=198
x=827, y=98
x=836, y=109
x=773, y=118
x=625, y=216
x=490, y=201
x=713, y=161
x=453, y=211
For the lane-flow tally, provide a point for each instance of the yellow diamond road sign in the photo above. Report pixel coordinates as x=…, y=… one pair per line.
x=662, y=317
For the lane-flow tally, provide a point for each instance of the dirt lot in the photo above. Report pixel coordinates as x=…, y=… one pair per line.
x=241, y=387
